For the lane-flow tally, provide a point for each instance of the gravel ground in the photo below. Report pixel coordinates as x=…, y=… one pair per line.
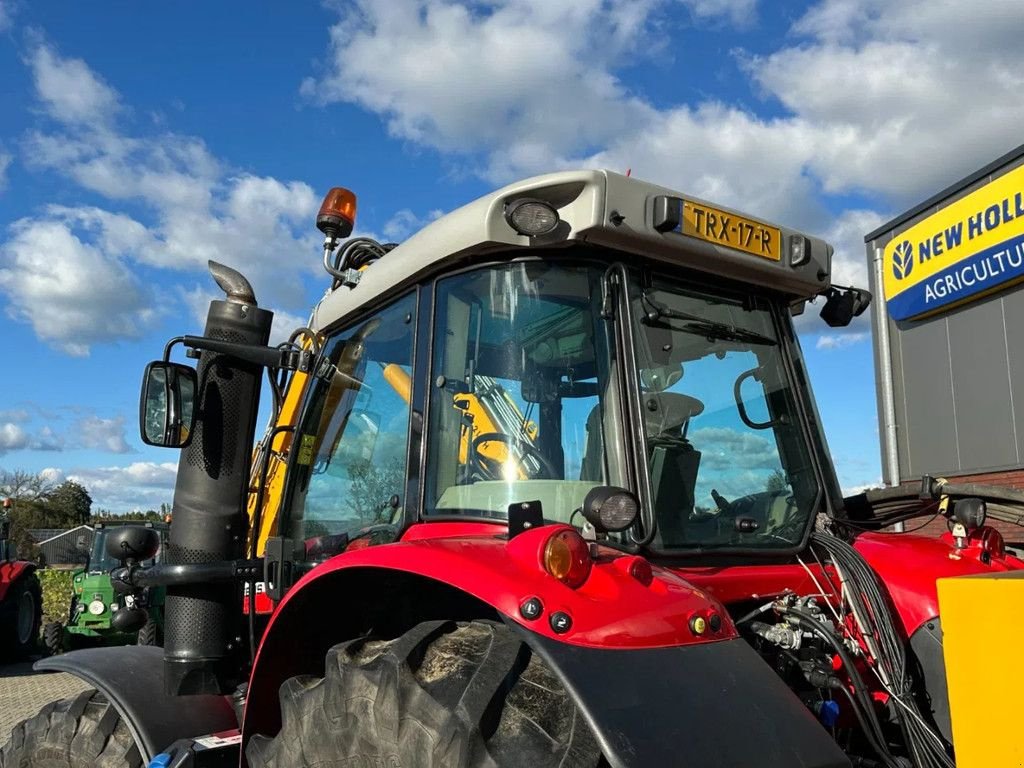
x=23, y=692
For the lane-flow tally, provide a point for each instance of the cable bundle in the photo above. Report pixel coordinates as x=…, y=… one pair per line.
x=867, y=602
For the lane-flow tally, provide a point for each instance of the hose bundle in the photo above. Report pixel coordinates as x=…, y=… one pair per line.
x=870, y=609
x=881, y=507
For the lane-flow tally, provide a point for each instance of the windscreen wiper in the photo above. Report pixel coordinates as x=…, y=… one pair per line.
x=658, y=315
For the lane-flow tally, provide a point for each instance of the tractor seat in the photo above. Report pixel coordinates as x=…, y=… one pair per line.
x=667, y=414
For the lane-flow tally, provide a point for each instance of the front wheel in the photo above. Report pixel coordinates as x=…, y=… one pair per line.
x=53, y=637
x=21, y=616
x=443, y=694
x=148, y=634
x=83, y=732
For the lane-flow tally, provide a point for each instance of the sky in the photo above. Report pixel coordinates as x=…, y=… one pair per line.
x=139, y=140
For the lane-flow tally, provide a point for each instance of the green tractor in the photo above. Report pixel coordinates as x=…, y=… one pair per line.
x=100, y=616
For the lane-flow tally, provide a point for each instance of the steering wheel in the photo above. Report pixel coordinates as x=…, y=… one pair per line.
x=524, y=448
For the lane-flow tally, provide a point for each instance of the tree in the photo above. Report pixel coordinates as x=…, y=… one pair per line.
x=20, y=486
x=372, y=488
x=135, y=516
x=27, y=492
x=69, y=504
x=776, y=482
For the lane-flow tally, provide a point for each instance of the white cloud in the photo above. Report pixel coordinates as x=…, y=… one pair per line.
x=529, y=76
x=72, y=293
x=901, y=97
x=140, y=485
x=12, y=437
x=46, y=439
x=52, y=475
x=193, y=208
x=5, y=163
x=69, y=90
x=739, y=12
x=101, y=434
x=284, y=325
x=731, y=449
x=15, y=437
x=874, y=93
x=853, y=490
x=839, y=340
x=405, y=223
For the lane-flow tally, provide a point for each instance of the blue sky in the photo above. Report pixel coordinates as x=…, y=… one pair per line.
x=137, y=140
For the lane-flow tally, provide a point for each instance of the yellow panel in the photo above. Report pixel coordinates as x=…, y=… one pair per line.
x=983, y=627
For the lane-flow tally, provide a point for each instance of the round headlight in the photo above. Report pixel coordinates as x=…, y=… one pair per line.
x=96, y=607
x=970, y=512
x=610, y=509
x=531, y=217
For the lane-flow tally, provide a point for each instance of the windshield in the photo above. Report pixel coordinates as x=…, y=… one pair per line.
x=100, y=560
x=523, y=403
x=728, y=464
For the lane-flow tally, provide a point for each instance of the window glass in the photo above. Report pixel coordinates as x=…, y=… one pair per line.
x=523, y=402
x=729, y=465
x=350, y=467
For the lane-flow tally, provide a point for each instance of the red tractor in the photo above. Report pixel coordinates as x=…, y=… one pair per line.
x=21, y=599
x=544, y=485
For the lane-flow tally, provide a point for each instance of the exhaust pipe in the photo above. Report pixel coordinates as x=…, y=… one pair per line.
x=202, y=631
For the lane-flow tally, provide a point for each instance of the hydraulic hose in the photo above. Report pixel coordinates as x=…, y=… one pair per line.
x=874, y=734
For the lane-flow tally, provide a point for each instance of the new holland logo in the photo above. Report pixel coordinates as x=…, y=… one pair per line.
x=903, y=260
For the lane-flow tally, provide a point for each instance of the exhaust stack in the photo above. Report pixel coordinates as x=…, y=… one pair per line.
x=202, y=628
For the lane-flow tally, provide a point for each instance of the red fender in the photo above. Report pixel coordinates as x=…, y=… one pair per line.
x=909, y=566
x=613, y=609
x=460, y=572
x=11, y=571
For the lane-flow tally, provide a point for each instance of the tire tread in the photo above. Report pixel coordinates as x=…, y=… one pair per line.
x=443, y=695
x=82, y=732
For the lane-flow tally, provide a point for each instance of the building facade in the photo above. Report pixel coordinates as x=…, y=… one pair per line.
x=948, y=281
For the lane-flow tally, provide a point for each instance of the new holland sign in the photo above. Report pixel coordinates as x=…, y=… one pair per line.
x=969, y=248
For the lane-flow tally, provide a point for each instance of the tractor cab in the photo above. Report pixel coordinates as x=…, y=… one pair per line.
x=600, y=349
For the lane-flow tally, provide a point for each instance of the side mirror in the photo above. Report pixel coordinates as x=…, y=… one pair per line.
x=167, y=405
x=129, y=619
x=132, y=542
x=844, y=304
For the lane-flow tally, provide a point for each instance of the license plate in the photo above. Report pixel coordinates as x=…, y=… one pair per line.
x=732, y=231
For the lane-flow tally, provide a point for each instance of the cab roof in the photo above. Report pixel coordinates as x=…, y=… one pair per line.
x=627, y=217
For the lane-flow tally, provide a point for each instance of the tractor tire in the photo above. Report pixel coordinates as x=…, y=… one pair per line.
x=83, y=732
x=20, y=616
x=458, y=695
x=53, y=638
x=148, y=635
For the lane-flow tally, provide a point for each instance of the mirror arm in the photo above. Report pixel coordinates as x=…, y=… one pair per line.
x=165, y=574
x=268, y=357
